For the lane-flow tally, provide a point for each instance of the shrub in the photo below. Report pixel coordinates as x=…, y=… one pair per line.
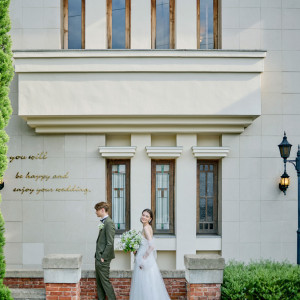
x=6, y=71
x=263, y=279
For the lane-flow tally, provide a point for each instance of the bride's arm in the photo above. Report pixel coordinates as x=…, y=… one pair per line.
x=149, y=238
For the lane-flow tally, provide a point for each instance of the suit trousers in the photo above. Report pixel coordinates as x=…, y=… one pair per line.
x=104, y=287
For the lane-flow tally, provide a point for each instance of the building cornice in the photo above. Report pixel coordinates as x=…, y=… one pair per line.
x=117, y=152
x=141, y=61
x=164, y=152
x=139, y=124
x=210, y=152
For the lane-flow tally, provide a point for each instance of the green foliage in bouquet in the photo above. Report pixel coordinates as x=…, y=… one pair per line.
x=6, y=75
x=263, y=279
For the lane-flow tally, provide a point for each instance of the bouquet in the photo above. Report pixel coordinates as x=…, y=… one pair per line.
x=130, y=241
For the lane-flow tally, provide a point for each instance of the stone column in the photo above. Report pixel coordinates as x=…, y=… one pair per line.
x=204, y=275
x=140, y=183
x=185, y=199
x=62, y=273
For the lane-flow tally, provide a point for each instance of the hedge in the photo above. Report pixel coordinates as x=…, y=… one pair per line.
x=262, y=279
x=6, y=75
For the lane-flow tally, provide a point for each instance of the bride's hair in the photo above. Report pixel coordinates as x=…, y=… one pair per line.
x=149, y=211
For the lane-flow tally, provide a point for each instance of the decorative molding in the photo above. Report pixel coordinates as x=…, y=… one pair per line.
x=164, y=152
x=210, y=152
x=37, y=61
x=117, y=152
x=139, y=124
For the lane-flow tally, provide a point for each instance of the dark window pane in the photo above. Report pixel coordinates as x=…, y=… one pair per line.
x=162, y=24
x=119, y=195
x=74, y=24
x=210, y=204
x=202, y=209
x=206, y=24
x=162, y=197
x=202, y=184
x=210, y=184
x=118, y=24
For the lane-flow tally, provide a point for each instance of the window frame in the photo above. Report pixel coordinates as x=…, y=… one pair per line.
x=127, y=23
x=216, y=24
x=66, y=25
x=172, y=24
x=171, y=163
x=215, y=201
x=109, y=163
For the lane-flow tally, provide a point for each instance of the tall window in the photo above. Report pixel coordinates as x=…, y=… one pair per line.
x=118, y=24
x=162, y=178
x=74, y=24
x=207, y=196
x=162, y=24
x=118, y=180
x=207, y=24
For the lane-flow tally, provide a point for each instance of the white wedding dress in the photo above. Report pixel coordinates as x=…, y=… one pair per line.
x=147, y=283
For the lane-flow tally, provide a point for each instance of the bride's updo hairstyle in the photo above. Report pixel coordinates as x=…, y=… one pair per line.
x=149, y=211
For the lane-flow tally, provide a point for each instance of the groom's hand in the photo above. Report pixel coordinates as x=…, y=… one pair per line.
x=102, y=260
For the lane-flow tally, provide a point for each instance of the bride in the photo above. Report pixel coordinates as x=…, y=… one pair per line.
x=147, y=282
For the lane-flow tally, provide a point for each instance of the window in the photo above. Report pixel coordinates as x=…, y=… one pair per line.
x=162, y=24
x=118, y=180
x=74, y=24
x=162, y=195
x=207, y=196
x=118, y=24
x=207, y=24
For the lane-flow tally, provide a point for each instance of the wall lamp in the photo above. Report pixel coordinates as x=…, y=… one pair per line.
x=1, y=184
x=285, y=150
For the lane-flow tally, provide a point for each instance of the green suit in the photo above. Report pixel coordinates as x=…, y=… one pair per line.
x=105, y=250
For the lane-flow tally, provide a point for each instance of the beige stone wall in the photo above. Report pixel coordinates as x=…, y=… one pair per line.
x=257, y=220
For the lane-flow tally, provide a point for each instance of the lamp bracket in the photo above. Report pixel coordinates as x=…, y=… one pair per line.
x=293, y=162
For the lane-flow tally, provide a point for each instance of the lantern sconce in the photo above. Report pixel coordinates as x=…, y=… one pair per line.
x=284, y=182
x=1, y=184
x=285, y=150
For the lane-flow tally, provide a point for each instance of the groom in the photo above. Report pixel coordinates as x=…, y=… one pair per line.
x=104, y=252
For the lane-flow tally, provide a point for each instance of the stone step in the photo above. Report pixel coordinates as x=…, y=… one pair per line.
x=27, y=294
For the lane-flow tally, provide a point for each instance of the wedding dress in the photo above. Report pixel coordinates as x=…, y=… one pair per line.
x=147, y=283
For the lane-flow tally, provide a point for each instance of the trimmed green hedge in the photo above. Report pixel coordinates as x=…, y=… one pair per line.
x=263, y=279
x=6, y=75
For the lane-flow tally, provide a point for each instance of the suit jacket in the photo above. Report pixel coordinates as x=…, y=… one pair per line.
x=105, y=241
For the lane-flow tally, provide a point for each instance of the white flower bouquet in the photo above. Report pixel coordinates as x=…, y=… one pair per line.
x=130, y=241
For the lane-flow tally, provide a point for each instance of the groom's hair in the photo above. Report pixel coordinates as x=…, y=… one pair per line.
x=101, y=205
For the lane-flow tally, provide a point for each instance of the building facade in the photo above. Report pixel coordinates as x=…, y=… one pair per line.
x=172, y=105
